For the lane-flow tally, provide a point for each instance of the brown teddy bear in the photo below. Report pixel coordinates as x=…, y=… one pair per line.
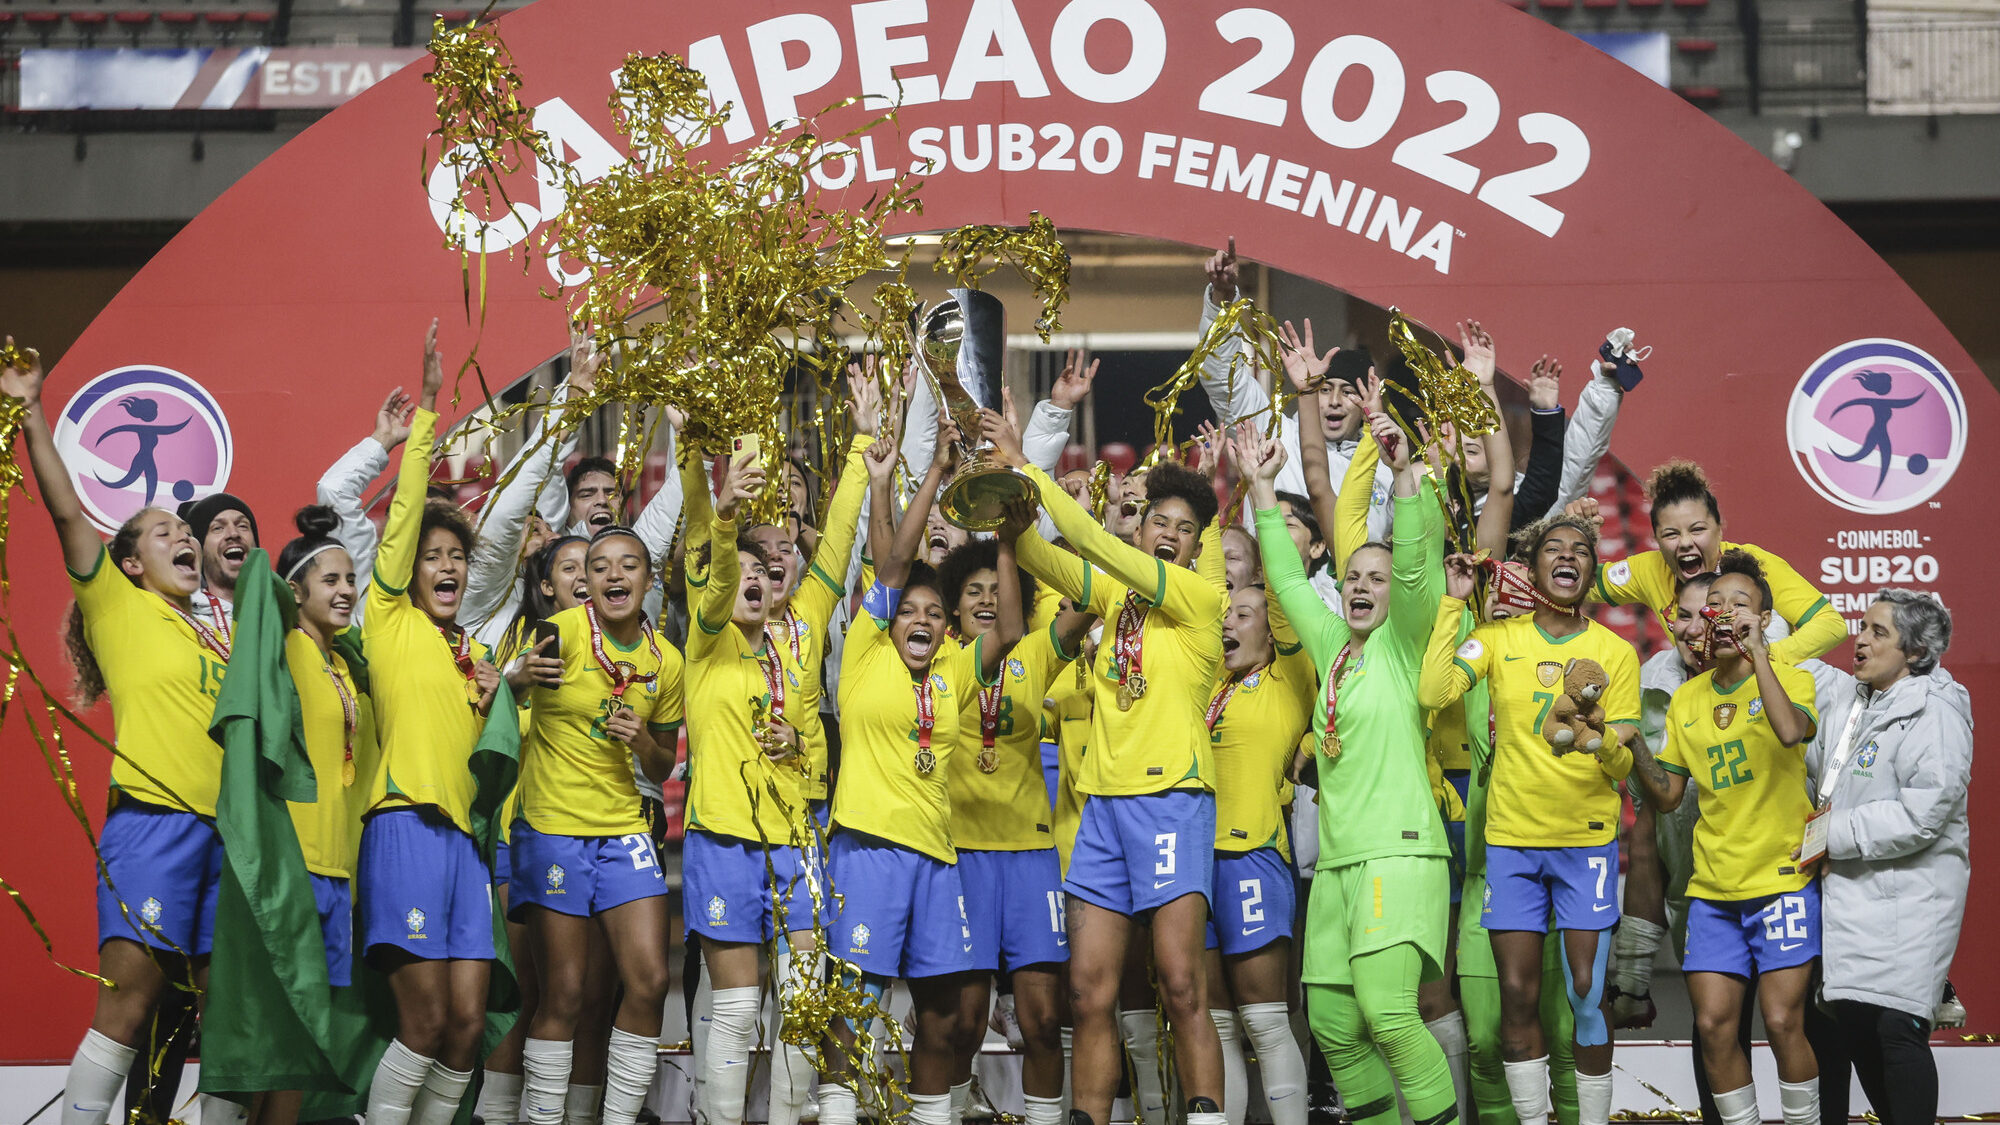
x=1576, y=719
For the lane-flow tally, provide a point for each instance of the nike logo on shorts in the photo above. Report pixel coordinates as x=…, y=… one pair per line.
x=1158, y=883
x=1790, y=947
x=1257, y=930
x=1601, y=907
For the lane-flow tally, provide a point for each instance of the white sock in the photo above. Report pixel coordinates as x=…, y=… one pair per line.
x=438, y=1102
x=1528, y=1087
x=1736, y=1107
x=1279, y=1060
x=545, y=1066
x=960, y=1096
x=930, y=1109
x=791, y=1072
x=726, y=1064
x=703, y=1016
x=583, y=1105
x=399, y=1078
x=1799, y=1101
x=96, y=1075
x=1632, y=952
x=1042, y=1111
x=836, y=1104
x=499, y=1098
x=1449, y=1031
x=221, y=1111
x=1207, y=1119
x=1069, y=1052
x=629, y=1070
x=1593, y=1098
x=1142, y=1045
x=1235, y=1073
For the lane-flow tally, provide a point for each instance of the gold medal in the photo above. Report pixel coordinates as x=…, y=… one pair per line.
x=926, y=762
x=1330, y=745
x=1124, y=697
x=1136, y=684
x=988, y=760
x=347, y=773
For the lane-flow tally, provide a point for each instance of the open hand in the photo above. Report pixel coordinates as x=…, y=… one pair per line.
x=1545, y=384
x=584, y=362
x=1461, y=576
x=864, y=397
x=1073, y=385
x=1478, y=351
x=392, y=421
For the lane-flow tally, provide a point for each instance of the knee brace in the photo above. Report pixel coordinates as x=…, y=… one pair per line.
x=1591, y=1030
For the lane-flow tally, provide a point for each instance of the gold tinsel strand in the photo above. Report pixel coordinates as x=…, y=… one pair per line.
x=1036, y=253
x=1242, y=319
x=1100, y=490
x=1444, y=393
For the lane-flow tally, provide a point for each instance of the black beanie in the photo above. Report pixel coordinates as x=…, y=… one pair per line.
x=201, y=513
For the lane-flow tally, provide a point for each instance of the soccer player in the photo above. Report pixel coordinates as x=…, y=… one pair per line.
x=1377, y=915
x=1145, y=844
x=1738, y=730
x=133, y=636
x=1260, y=710
x=1551, y=830
x=745, y=877
x=1003, y=827
x=906, y=690
x=581, y=850
x=1687, y=523
x=426, y=897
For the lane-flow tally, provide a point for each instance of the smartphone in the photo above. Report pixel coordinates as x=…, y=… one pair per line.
x=747, y=443
x=547, y=631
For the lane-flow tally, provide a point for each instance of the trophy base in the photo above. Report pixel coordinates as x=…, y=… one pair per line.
x=977, y=497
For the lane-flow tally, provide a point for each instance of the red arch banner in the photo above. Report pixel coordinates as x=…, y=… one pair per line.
x=1454, y=159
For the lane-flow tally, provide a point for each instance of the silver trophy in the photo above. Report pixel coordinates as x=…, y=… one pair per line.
x=960, y=348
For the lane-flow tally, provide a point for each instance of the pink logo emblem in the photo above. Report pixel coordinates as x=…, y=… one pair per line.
x=1876, y=426
x=143, y=436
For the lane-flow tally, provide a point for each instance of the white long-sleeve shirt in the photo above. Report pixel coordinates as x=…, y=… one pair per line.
x=342, y=488
x=492, y=585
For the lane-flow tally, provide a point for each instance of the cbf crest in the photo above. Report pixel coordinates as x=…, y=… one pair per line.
x=1756, y=707
x=415, y=921
x=150, y=910
x=555, y=876
x=1015, y=668
x=716, y=909
x=1865, y=759
x=859, y=935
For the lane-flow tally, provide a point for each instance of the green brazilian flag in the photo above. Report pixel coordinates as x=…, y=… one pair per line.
x=268, y=1024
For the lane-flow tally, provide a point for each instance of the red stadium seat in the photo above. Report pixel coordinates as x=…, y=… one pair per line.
x=1695, y=46
x=455, y=16
x=1600, y=3
x=257, y=16
x=225, y=19
x=1643, y=3
x=88, y=19
x=1690, y=3
x=1556, y=3
x=1700, y=95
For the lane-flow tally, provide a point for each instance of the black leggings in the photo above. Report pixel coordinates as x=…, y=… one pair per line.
x=1889, y=1051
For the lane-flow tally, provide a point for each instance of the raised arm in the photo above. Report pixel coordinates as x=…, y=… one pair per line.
x=825, y=581
x=1047, y=432
x=1587, y=439
x=397, y=559
x=712, y=601
x=1012, y=623
x=1416, y=579
x=1319, y=628
x=1497, y=514
x=1306, y=369
x=80, y=544
x=1817, y=628
x=1447, y=672
x=657, y=520
x=1232, y=392
x=1542, y=478
x=919, y=446
x=892, y=567
x=697, y=509
x=343, y=486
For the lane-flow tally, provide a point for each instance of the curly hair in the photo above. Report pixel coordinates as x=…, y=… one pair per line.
x=1528, y=541
x=1170, y=480
x=1677, y=482
x=449, y=517
x=1738, y=561
x=88, y=685
x=963, y=562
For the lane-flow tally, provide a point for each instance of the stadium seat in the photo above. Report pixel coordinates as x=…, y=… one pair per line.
x=1643, y=3
x=1556, y=3
x=43, y=24
x=180, y=24
x=134, y=24
x=1690, y=3
x=88, y=25
x=1600, y=3
x=1695, y=46
x=1706, y=96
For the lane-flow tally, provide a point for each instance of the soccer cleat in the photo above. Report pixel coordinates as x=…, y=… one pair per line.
x=1631, y=1013
x=1950, y=1011
x=978, y=1107
x=1004, y=1023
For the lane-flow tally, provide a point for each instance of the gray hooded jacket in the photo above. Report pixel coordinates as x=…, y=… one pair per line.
x=1898, y=844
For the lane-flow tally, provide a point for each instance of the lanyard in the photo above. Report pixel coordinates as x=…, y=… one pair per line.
x=791, y=636
x=1330, y=742
x=1836, y=763
x=350, y=718
x=619, y=680
x=214, y=640
x=1222, y=698
x=1126, y=651
x=926, y=761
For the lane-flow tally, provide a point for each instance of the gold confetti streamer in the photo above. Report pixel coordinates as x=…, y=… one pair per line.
x=1239, y=319
x=1100, y=490
x=1036, y=253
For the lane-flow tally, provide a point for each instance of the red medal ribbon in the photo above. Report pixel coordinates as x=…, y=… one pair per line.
x=926, y=712
x=214, y=640
x=619, y=682
x=350, y=710
x=1334, y=676
x=989, y=711
x=791, y=636
x=1131, y=638
x=1228, y=692
x=461, y=653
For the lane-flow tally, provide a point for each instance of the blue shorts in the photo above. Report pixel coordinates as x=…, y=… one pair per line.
x=580, y=875
x=900, y=913
x=503, y=863
x=727, y=892
x=165, y=870
x=424, y=889
x=335, y=899
x=1522, y=884
x=1052, y=769
x=1135, y=854
x=1256, y=895
x=1014, y=902
x=1753, y=935
x=1454, y=833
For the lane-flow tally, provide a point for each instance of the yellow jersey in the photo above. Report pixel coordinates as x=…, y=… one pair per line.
x=1754, y=800
x=734, y=789
x=1066, y=722
x=1255, y=725
x=576, y=780
x=1172, y=627
x=426, y=703
x=1651, y=581
x=330, y=710
x=1536, y=799
x=999, y=798
x=162, y=681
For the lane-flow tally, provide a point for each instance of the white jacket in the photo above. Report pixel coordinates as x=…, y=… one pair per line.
x=1898, y=854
